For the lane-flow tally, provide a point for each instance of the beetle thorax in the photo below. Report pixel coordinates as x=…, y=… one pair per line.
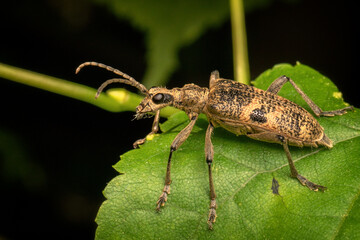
x=190, y=98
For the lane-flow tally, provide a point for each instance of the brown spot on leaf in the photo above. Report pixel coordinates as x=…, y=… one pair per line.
x=275, y=186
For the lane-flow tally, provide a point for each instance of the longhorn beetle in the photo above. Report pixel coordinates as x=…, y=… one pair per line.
x=240, y=109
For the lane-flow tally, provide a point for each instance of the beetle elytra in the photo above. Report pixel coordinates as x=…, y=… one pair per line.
x=240, y=109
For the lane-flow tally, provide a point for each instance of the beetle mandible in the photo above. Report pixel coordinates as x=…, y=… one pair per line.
x=240, y=109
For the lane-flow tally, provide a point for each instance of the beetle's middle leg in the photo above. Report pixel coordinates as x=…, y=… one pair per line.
x=294, y=172
x=209, y=156
x=179, y=139
x=279, y=82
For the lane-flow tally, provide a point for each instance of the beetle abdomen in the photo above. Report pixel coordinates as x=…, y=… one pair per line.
x=252, y=110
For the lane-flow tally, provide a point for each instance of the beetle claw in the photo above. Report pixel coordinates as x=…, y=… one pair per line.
x=337, y=112
x=139, y=142
x=163, y=198
x=315, y=187
x=161, y=202
x=212, y=214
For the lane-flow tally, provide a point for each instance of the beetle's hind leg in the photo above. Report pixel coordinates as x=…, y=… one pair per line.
x=294, y=173
x=279, y=82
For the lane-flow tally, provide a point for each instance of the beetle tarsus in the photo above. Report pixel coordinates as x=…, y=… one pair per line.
x=310, y=185
x=337, y=112
x=163, y=197
x=212, y=214
x=139, y=142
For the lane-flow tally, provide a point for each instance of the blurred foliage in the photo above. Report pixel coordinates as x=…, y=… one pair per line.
x=171, y=25
x=16, y=166
x=168, y=25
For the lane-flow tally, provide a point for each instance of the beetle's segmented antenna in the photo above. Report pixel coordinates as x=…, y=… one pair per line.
x=116, y=80
x=126, y=78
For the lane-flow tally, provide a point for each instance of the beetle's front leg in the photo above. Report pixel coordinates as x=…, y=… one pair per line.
x=154, y=129
x=179, y=139
x=294, y=172
x=209, y=156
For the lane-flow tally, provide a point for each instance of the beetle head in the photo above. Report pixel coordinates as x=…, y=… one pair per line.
x=155, y=99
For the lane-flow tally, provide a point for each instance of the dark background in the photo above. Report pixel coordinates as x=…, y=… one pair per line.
x=57, y=153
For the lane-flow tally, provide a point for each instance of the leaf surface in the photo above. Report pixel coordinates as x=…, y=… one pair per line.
x=243, y=171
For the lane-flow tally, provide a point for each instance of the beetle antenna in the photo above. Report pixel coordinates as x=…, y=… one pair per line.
x=126, y=78
x=117, y=80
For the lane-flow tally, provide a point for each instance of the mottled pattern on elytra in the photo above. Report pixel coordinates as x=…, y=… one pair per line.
x=256, y=110
x=229, y=99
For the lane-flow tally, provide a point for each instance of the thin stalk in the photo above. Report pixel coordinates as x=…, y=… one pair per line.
x=240, y=53
x=118, y=100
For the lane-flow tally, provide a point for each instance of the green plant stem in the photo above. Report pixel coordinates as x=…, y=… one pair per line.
x=118, y=100
x=240, y=53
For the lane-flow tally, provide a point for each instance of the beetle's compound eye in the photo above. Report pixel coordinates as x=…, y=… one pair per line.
x=158, y=98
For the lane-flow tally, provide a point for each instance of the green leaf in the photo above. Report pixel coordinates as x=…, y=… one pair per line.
x=243, y=172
